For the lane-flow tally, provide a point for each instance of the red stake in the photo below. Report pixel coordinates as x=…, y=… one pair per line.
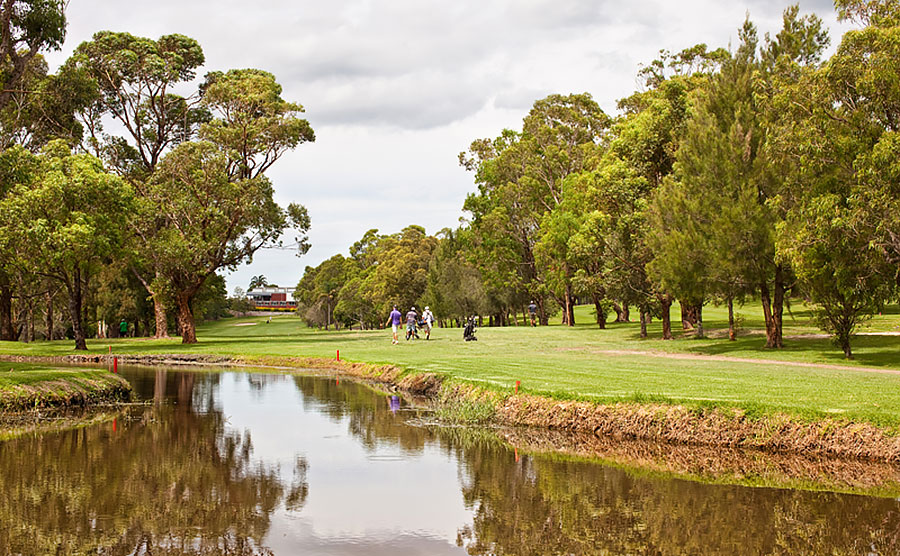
x=115, y=364
x=517, y=453
x=114, y=424
x=338, y=355
x=517, y=386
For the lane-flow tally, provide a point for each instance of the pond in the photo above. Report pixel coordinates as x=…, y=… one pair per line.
x=253, y=463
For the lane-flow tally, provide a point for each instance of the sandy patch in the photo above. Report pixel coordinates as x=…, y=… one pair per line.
x=245, y=324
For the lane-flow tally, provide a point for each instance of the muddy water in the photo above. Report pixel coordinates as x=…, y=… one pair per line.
x=242, y=463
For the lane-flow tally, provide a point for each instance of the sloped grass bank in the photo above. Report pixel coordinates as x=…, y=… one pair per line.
x=24, y=387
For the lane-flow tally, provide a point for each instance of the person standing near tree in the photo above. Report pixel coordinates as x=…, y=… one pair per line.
x=123, y=328
x=394, y=322
x=428, y=318
x=532, y=312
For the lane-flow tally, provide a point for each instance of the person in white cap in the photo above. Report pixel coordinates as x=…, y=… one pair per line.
x=428, y=317
x=411, y=317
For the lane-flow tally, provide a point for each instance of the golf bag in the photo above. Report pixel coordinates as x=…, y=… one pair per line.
x=469, y=331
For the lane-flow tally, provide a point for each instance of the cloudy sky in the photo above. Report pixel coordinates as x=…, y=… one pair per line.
x=396, y=89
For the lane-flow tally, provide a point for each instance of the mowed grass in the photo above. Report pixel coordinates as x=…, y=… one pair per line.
x=24, y=386
x=24, y=374
x=597, y=365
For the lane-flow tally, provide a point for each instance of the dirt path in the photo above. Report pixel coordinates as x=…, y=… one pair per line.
x=728, y=359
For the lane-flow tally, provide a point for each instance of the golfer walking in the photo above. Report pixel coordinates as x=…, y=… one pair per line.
x=394, y=321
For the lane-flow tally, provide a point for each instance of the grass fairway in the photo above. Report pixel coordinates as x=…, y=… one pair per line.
x=808, y=379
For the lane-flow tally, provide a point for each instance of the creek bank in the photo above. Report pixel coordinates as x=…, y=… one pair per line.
x=673, y=424
x=712, y=464
x=61, y=389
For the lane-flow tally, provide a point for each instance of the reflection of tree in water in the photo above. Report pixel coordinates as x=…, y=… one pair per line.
x=546, y=506
x=170, y=481
x=367, y=412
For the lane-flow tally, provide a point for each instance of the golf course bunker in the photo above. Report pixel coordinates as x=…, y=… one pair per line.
x=255, y=463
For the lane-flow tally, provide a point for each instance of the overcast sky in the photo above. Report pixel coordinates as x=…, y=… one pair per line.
x=396, y=89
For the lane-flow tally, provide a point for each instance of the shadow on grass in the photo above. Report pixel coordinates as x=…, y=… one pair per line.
x=872, y=351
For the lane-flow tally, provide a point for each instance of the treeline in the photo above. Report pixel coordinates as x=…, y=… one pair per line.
x=750, y=174
x=126, y=185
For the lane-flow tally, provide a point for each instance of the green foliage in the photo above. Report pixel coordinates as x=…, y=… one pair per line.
x=210, y=220
x=27, y=27
x=65, y=218
x=253, y=125
x=521, y=179
x=383, y=270
x=135, y=76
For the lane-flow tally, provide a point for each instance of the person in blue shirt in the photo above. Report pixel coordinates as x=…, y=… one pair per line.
x=394, y=320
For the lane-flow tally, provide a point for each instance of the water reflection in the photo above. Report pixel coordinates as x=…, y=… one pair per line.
x=242, y=463
x=165, y=479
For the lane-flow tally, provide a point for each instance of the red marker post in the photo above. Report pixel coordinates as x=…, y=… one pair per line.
x=517, y=386
x=338, y=355
x=115, y=364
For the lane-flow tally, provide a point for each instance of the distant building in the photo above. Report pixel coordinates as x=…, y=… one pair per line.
x=269, y=298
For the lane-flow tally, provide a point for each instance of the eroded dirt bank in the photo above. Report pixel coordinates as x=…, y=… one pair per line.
x=673, y=424
x=715, y=464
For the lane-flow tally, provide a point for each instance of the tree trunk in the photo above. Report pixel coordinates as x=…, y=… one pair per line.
x=75, y=311
x=49, y=316
x=161, y=318
x=732, y=335
x=665, y=302
x=29, y=334
x=600, y=311
x=6, y=321
x=186, y=319
x=843, y=338
x=778, y=306
x=773, y=309
x=570, y=306
x=690, y=314
x=699, y=325
x=644, y=315
x=542, y=314
x=622, y=312
x=159, y=309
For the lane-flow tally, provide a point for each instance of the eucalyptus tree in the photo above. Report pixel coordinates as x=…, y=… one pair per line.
x=139, y=80
x=212, y=221
x=455, y=288
x=521, y=178
x=27, y=27
x=64, y=215
x=401, y=274
x=319, y=288
x=34, y=107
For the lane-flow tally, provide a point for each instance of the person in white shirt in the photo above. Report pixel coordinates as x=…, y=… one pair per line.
x=428, y=317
